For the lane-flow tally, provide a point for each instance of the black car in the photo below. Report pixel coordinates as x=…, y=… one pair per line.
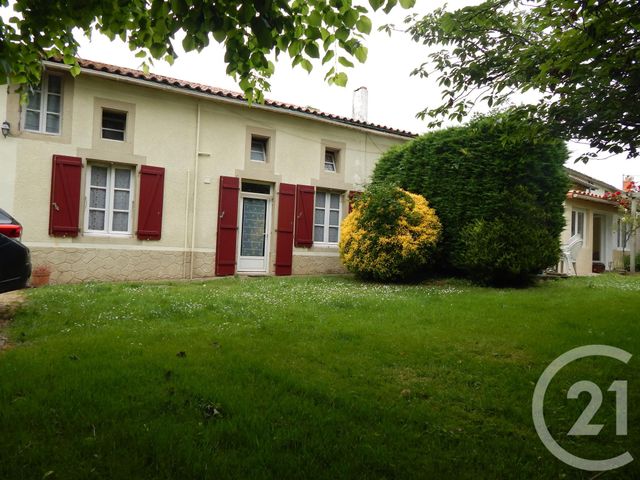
x=15, y=259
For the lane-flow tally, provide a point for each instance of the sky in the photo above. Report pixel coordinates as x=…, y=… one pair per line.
x=395, y=97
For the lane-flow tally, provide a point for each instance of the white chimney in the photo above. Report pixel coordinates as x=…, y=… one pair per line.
x=360, y=104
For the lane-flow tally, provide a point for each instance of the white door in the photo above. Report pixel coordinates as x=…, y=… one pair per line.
x=253, y=248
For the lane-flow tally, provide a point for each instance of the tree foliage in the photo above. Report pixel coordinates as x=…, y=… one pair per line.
x=253, y=33
x=498, y=194
x=389, y=235
x=581, y=56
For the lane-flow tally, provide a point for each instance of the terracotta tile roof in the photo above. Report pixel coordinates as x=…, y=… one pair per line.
x=220, y=92
x=583, y=195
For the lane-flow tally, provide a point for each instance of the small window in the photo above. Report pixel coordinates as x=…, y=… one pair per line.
x=330, y=161
x=577, y=223
x=43, y=110
x=621, y=234
x=327, y=218
x=114, y=125
x=259, y=149
x=110, y=192
x=261, y=188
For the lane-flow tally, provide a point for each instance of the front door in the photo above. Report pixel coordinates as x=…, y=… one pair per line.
x=253, y=248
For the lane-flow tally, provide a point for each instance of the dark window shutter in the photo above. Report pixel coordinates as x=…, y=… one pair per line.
x=353, y=196
x=284, y=242
x=305, y=197
x=150, y=203
x=227, y=226
x=64, y=210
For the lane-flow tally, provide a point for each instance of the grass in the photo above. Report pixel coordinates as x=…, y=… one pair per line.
x=309, y=378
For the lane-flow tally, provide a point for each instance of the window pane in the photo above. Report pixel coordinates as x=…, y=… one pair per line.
x=333, y=234
x=256, y=188
x=121, y=200
x=98, y=198
x=320, y=199
x=334, y=217
x=120, y=222
x=319, y=220
x=114, y=120
x=318, y=234
x=53, y=123
x=123, y=178
x=330, y=161
x=254, y=219
x=99, y=176
x=34, y=101
x=54, y=84
x=112, y=134
x=96, y=220
x=335, y=201
x=53, y=103
x=32, y=121
x=258, y=149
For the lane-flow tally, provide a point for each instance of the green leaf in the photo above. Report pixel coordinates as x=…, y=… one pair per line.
x=75, y=70
x=364, y=25
x=376, y=4
x=361, y=54
x=314, y=19
x=345, y=62
x=341, y=79
x=407, y=3
x=328, y=56
x=311, y=49
x=188, y=43
x=306, y=64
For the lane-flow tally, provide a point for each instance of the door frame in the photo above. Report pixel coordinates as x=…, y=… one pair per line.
x=267, y=227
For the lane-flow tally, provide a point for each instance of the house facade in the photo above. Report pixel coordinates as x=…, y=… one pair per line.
x=595, y=222
x=117, y=175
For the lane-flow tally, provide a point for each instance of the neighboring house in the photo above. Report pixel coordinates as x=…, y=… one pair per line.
x=596, y=222
x=117, y=175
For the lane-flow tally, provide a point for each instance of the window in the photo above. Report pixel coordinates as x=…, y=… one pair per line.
x=330, y=161
x=110, y=196
x=43, y=110
x=577, y=223
x=621, y=234
x=327, y=218
x=114, y=124
x=258, y=149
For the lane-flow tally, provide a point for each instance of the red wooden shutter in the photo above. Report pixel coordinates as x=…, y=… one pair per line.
x=284, y=242
x=150, y=204
x=353, y=196
x=305, y=197
x=64, y=210
x=227, y=226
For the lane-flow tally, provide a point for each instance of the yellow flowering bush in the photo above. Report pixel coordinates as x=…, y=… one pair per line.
x=389, y=235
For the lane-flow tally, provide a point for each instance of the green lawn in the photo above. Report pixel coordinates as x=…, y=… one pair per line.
x=310, y=378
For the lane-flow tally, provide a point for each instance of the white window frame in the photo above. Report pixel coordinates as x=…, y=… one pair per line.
x=327, y=212
x=103, y=128
x=264, y=142
x=44, y=95
x=575, y=213
x=109, y=210
x=333, y=160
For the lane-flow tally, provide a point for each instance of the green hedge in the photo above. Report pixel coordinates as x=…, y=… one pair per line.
x=498, y=192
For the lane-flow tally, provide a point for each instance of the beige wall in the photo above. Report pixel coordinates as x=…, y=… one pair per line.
x=610, y=214
x=163, y=127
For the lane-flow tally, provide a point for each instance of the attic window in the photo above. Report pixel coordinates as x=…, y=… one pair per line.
x=330, y=161
x=259, y=149
x=114, y=124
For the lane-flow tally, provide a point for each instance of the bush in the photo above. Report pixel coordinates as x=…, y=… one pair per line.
x=487, y=180
x=627, y=262
x=389, y=235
